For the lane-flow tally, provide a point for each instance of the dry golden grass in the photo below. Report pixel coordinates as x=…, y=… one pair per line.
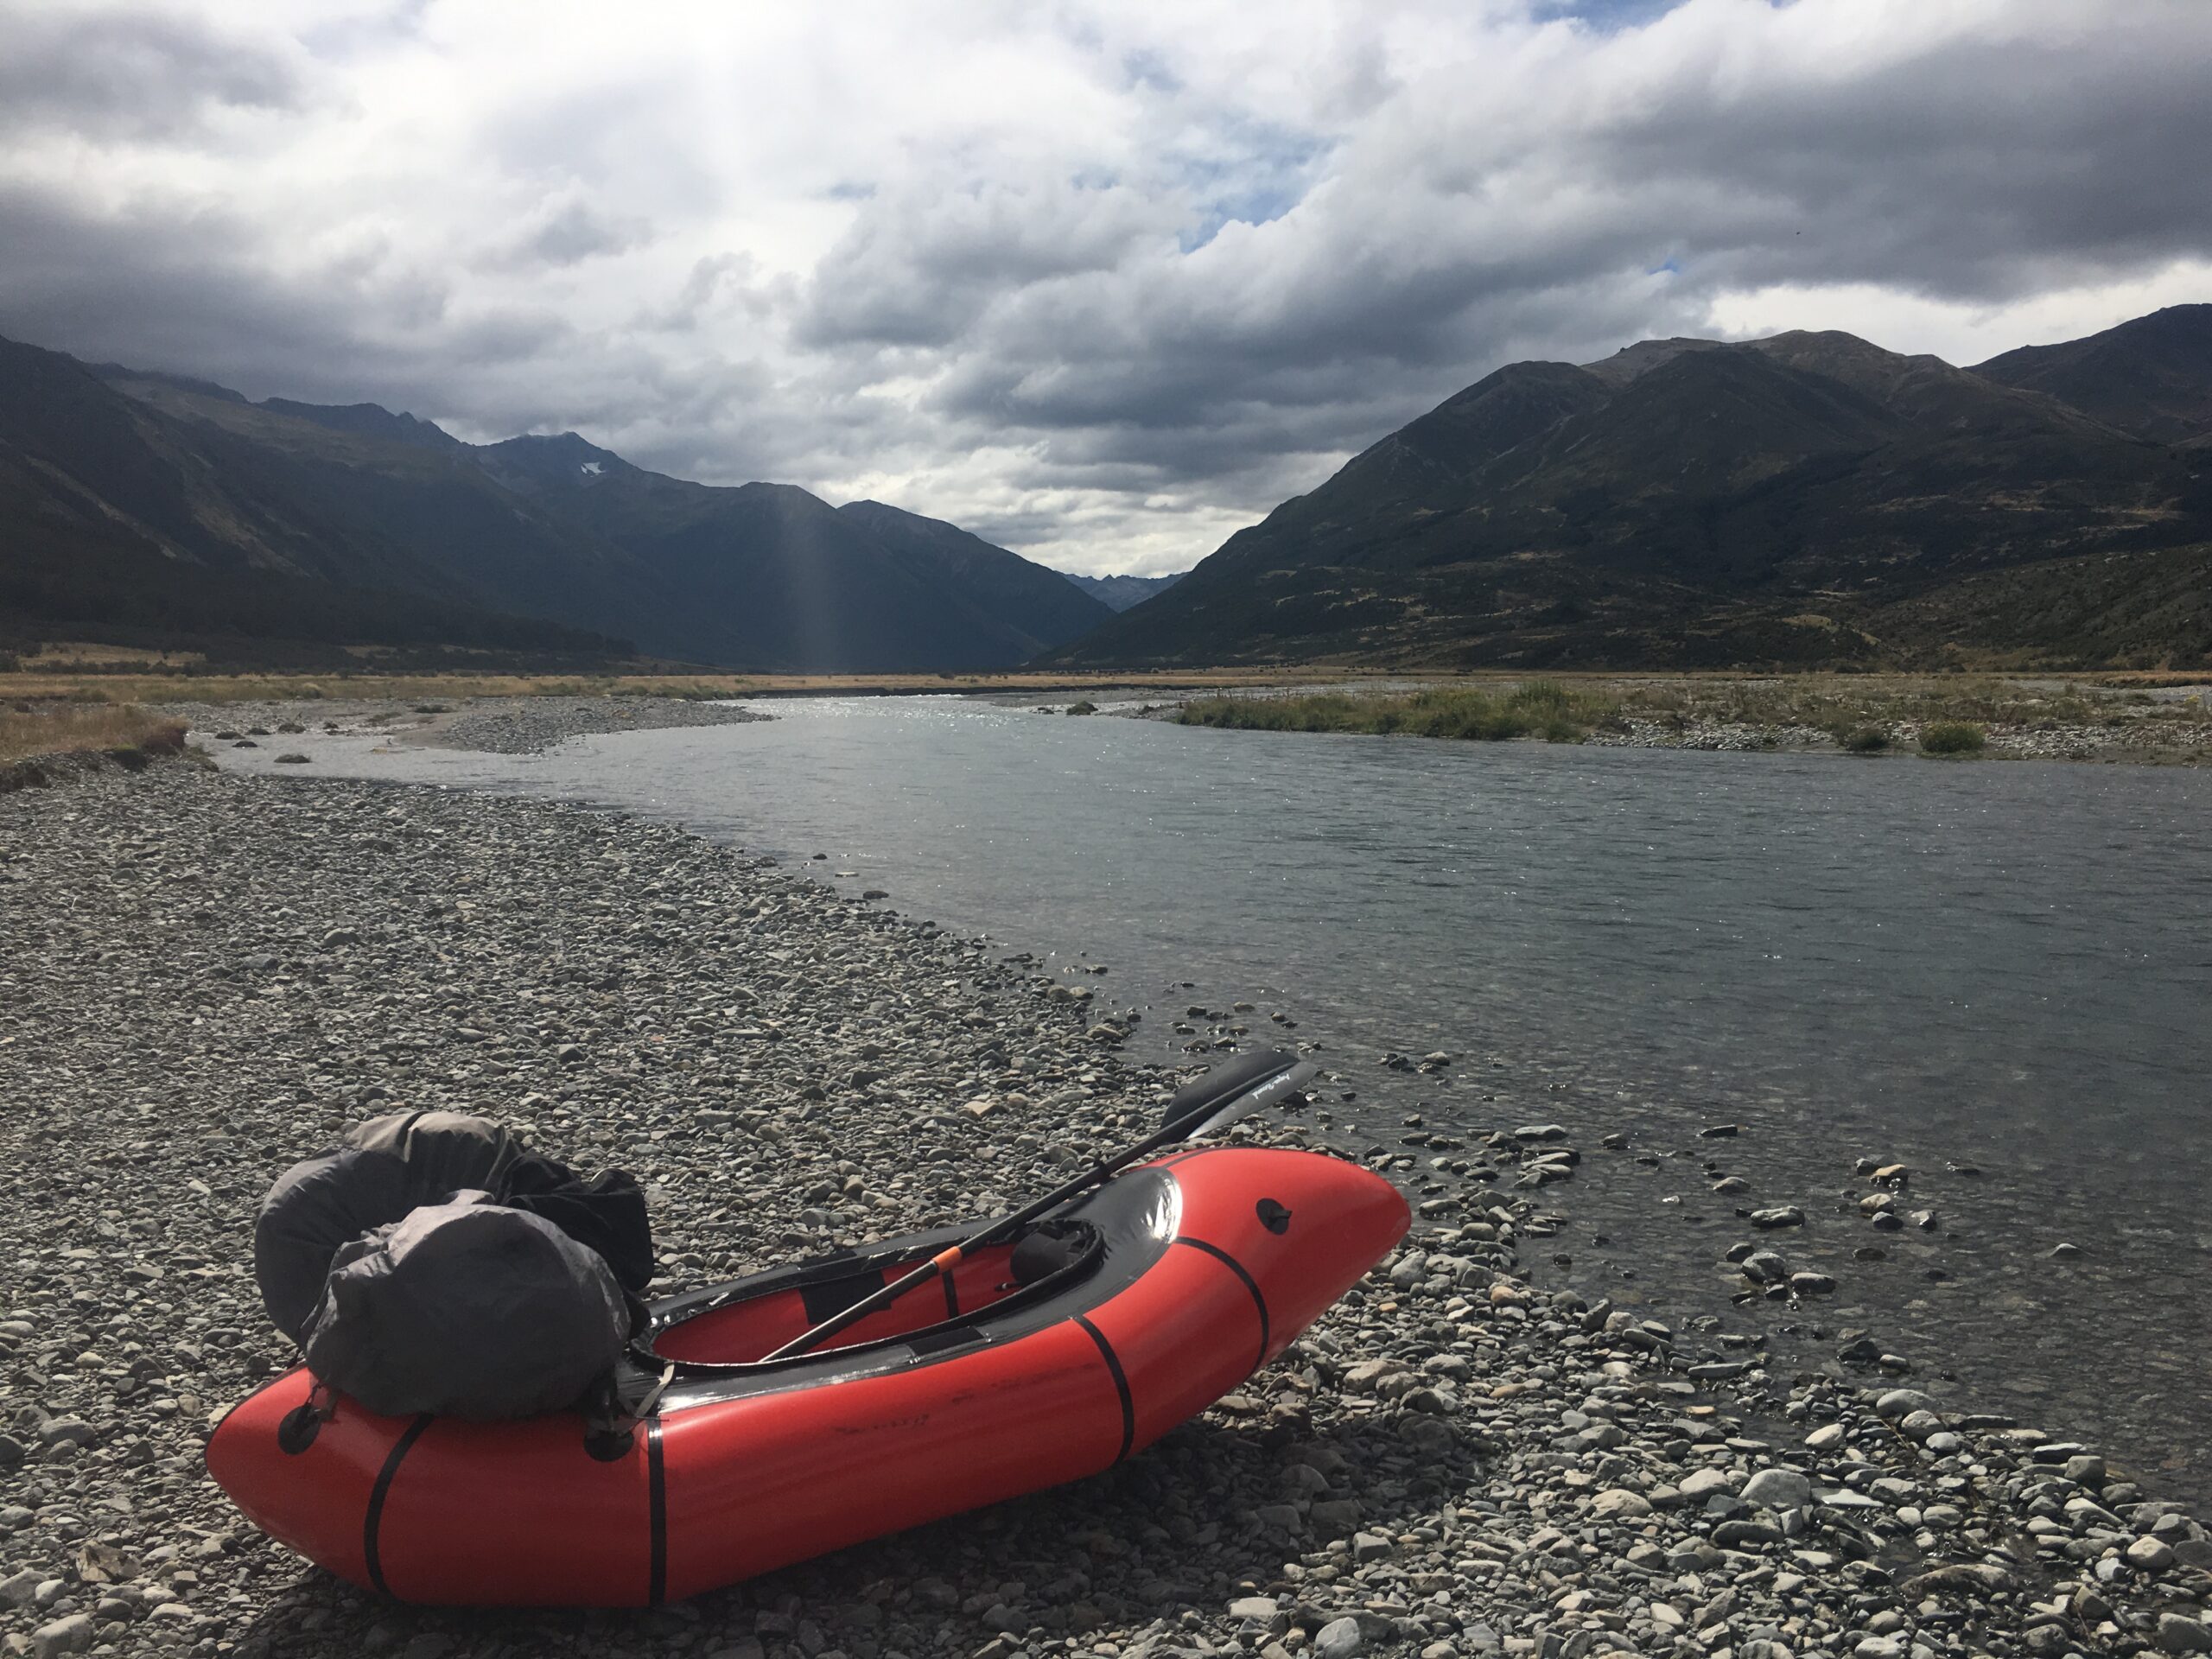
x=78, y=728
x=60, y=656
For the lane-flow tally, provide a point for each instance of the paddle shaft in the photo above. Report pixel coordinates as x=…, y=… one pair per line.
x=945, y=1261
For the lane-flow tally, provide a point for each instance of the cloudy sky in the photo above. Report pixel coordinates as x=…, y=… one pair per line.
x=1102, y=282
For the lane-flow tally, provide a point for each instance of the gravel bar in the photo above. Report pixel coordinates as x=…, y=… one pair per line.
x=496, y=725
x=205, y=976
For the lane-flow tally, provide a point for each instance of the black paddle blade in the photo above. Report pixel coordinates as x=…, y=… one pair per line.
x=1233, y=1089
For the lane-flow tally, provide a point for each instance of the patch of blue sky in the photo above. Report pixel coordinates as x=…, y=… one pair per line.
x=1605, y=15
x=1259, y=174
x=1150, y=70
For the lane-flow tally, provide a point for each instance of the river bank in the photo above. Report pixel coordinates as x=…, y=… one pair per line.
x=493, y=725
x=203, y=976
x=1867, y=716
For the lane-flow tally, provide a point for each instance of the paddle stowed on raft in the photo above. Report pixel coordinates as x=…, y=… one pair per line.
x=804, y=1409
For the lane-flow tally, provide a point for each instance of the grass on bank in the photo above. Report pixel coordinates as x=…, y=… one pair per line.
x=1846, y=705
x=127, y=732
x=1544, y=708
x=1952, y=737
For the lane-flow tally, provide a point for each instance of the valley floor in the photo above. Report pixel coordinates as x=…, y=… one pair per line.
x=205, y=975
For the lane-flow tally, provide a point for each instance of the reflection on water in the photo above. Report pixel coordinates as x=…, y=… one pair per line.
x=2003, y=965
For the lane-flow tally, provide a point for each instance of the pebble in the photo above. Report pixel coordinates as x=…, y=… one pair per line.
x=1338, y=1639
x=1777, y=1489
x=70, y=1635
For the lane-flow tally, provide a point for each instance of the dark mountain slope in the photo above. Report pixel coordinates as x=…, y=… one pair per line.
x=1038, y=608
x=364, y=510
x=2151, y=376
x=370, y=421
x=770, y=575
x=114, y=514
x=1683, y=502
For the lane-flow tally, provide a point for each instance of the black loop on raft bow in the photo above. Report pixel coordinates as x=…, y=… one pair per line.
x=610, y=1428
x=304, y=1421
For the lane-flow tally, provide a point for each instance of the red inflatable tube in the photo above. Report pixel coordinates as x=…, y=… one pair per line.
x=1184, y=1277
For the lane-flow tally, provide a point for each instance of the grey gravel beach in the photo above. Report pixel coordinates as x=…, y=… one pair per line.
x=205, y=976
x=496, y=725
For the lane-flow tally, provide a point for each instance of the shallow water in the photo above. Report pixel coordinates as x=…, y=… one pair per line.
x=2007, y=965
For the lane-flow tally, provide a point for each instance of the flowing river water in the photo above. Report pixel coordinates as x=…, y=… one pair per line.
x=1996, y=967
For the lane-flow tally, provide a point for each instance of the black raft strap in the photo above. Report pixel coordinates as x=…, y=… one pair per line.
x=374, y=1519
x=656, y=1495
x=1121, y=1385
x=1250, y=1284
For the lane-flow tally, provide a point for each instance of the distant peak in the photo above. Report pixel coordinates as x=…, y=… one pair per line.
x=367, y=420
x=1632, y=362
x=179, y=382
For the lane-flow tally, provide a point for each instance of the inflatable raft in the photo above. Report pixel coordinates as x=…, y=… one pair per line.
x=1162, y=1291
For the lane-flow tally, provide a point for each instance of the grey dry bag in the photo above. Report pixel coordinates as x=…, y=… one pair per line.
x=467, y=1309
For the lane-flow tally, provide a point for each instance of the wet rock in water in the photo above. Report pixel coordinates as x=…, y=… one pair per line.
x=1788, y=1215
x=1894, y=1405
x=1765, y=1267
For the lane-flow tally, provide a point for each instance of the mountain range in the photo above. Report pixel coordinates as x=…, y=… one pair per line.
x=1803, y=499
x=169, y=509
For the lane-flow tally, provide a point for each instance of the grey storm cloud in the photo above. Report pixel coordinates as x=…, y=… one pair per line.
x=568, y=232
x=1103, y=282
x=132, y=73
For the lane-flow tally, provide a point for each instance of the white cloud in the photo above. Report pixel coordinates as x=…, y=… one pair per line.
x=1101, y=281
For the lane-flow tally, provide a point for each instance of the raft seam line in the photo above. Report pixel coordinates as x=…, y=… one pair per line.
x=1120, y=1386
x=656, y=1498
x=1251, y=1284
x=374, y=1519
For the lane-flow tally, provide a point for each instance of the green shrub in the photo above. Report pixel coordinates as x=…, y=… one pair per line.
x=1952, y=737
x=1086, y=707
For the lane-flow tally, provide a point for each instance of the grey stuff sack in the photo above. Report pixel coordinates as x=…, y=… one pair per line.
x=467, y=1309
x=386, y=1166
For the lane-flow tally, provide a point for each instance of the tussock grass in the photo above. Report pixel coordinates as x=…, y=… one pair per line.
x=81, y=729
x=1544, y=708
x=1952, y=737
